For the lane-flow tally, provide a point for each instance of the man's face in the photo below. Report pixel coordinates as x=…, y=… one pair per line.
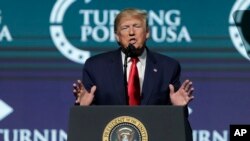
x=132, y=30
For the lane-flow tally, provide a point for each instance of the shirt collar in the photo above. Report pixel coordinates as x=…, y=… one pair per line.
x=142, y=57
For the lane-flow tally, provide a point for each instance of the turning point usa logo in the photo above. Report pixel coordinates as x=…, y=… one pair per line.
x=5, y=34
x=95, y=27
x=239, y=20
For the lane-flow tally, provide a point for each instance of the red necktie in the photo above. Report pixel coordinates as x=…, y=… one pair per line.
x=134, y=84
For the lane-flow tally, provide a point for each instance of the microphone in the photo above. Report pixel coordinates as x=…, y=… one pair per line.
x=130, y=51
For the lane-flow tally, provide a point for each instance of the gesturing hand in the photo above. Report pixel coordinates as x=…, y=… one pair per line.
x=83, y=97
x=184, y=95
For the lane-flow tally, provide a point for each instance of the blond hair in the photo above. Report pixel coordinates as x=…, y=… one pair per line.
x=131, y=12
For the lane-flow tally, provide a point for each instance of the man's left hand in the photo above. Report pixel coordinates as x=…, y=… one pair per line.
x=182, y=96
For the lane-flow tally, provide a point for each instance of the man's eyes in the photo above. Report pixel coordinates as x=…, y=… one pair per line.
x=126, y=27
x=137, y=26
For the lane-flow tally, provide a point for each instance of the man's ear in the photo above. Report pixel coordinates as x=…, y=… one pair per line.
x=147, y=33
x=117, y=37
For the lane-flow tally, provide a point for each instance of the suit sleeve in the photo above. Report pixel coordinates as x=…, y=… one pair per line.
x=176, y=76
x=87, y=77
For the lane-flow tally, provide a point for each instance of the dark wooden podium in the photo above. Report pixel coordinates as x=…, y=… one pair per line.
x=125, y=123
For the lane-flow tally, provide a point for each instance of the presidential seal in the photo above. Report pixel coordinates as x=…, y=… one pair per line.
x=125, y=128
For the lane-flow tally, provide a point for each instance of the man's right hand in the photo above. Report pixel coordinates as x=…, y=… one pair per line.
x=83, y=97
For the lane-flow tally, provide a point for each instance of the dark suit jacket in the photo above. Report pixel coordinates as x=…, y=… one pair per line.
x=106, y=72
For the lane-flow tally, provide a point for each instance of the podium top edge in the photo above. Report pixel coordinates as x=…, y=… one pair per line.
x=126, y=106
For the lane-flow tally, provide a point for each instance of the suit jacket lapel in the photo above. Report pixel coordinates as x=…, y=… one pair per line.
x=116, y=74
x=150, y=77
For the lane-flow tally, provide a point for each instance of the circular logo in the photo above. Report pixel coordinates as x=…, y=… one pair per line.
x=125, y=128
x=234, y=32
x=58, y=36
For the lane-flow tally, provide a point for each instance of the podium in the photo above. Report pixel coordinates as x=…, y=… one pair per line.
x=126, y=123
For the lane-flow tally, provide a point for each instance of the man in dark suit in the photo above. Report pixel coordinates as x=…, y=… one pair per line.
x=104, y=74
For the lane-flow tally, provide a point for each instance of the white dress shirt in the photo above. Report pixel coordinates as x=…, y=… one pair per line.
x=141, y=64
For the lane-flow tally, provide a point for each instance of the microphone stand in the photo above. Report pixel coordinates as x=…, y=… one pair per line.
x=125, y=76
